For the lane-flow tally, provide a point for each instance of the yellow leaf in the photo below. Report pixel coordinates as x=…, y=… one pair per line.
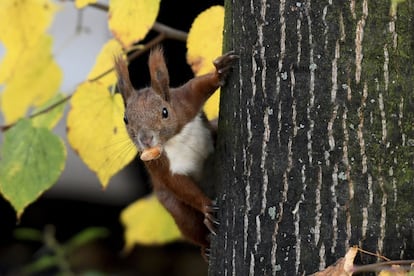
x=79, y=4
x=204, y=44
x=396, y=270
x=105, y=62
x=147, y=222
x=205, y=40
x=130, y=20
x=96, y=130
x=211, y=107
x=31, y=78
x=23, y=21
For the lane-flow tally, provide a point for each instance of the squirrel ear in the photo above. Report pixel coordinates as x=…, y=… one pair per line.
x=160, y=80
x=124, y=83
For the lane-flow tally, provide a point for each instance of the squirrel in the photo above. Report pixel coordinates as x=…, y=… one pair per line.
x=174, y=137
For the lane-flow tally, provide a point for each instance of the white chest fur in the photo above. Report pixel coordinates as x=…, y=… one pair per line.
x=188, y=150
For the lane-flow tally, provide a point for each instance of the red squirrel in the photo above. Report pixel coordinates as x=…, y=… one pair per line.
x=169, y=128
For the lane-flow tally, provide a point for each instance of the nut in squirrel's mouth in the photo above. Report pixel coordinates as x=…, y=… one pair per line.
x=151, y=153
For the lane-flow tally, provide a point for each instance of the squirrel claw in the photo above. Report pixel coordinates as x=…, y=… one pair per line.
x=209, y=219
x=210, y=226
x=223, y=65
x=225, y=57
x=212, y=219
x=213, y=207
x=205, y=252
x=225, y=60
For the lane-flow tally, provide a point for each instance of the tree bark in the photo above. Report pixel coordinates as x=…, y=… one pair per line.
x=316, y=136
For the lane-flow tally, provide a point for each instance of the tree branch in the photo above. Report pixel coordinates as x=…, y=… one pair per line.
x=404, y=264
x=47, y=109
x=169, y=32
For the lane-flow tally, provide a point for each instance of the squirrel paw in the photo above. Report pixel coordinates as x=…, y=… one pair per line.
x=223, y=65
x=209, y=218
x=205, y=253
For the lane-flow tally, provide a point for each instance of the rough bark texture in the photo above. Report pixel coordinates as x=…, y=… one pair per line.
x=316, y=135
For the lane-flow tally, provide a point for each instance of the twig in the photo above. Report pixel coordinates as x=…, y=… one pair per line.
x=47, y=109
x=373, y=254
x=148, y=46
x=99, y=6
x=170, y=33
x=134, y=55
x=381, y=266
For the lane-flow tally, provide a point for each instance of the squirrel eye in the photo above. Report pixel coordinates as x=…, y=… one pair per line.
x=164, y=113
x=125, y=119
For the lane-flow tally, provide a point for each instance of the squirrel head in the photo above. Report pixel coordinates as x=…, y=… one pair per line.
x=150, y=117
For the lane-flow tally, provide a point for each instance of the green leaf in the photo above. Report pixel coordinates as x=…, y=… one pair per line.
x=85, y=236
x=28, y=234
x=43, y=263
x=51, y=117
x=93, y=273
x=31, y=160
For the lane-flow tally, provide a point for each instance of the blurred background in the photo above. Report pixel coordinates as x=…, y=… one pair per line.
x=77, y=201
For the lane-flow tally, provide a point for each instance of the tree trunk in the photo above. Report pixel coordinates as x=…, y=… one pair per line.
x=316, y=135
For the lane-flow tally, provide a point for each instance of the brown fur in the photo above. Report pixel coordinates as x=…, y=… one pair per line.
x=148, y=127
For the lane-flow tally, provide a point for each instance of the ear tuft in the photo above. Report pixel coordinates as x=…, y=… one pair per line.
x=160, y=80
x=124, y=83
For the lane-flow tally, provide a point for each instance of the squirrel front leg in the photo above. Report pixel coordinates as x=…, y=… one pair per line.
x=208, y=83
x=183, y=188
x=188, y=192
x=197, y=90
x=188, y=219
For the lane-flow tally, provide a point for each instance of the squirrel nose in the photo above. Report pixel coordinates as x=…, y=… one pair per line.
x=146, y=139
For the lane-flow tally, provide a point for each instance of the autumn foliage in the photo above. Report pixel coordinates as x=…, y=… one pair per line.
x=32, y=157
